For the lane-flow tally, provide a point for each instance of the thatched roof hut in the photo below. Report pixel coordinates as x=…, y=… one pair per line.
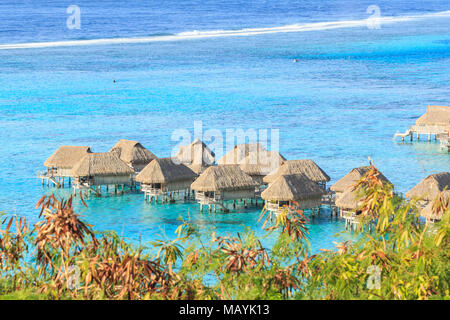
x=429, y=188
x=223, y=178
x=306, y=167
x=101, y=164
x=133, y=154
x=349, y=200
x=428, y=213
x=239, y=152
x=220, y=183
x=259, y=164
x=294, y=188
x=165, y=171
x=435, y=116
x=351, y=178
x=197, y=156
x=65, y=157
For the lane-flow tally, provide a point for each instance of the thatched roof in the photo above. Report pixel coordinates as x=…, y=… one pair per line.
x=292, y=187
x=428, y=213
x=306, y=167
x=132, y=152
x=197, y=153
x=429, y=188
x=351, y=178
x=165, y=170
x=262, y=163
x=239, y=152
x=100, y=164
x=197, y=168
x=66, y=157
x=350, y=199
x=228, y=177
x=435, y=116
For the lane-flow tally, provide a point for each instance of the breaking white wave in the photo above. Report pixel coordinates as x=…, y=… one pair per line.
x=190, y=35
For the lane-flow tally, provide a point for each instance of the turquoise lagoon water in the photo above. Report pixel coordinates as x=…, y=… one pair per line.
x=350, y=91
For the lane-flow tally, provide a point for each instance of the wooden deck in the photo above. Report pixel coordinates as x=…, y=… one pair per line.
x=429, y=131
x=52, y=178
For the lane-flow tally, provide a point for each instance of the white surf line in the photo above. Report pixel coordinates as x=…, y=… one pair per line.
x=192, y=35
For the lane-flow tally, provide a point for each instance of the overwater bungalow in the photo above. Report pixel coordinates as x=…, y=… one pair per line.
x=437, y=118
x=222, y=183
x=101, y=169
x=429, y=188
x=306, y=167
x=287, y=189
x=351, y=178
x=348, y=203
x=436, y=121
x=133, y=154
x=434, y=215
x=60, y=163
x=239, y=152
x=196, y=156
x=259, y=164
x=164, y=178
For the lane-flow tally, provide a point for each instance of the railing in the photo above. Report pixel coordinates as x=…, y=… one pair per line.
x=273, y=206
x=204, y=198
x=154, y=191
x=329, y=198
x=47, y=173
x=42, y=174
x=81, y=185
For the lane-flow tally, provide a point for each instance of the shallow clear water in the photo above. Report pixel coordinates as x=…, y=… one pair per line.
x=351, y=90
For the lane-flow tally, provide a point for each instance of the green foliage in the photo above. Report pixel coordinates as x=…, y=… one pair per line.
x=410, y=259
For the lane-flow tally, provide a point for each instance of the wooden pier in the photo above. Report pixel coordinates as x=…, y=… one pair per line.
x=52, y=178
x=434, y=123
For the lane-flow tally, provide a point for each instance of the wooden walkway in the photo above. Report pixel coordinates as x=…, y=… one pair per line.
x=51, y=178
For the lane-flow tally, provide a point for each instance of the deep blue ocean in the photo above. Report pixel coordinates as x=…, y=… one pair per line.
x=350, y=91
